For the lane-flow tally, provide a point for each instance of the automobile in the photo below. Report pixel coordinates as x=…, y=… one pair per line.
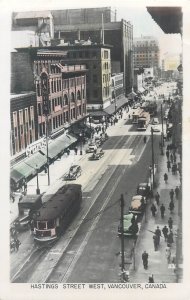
x=155, y=121
x=27, y=206
x=138, y=204
x=97, y=155
x=74, y=172
x=130, y=225
x=91, y=148
x=143, y=189
x=156, y=128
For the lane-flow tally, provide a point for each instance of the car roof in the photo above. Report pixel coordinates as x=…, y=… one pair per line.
x=144, y=184
x=137, y=197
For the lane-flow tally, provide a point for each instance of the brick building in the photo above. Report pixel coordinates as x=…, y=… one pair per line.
x=146, y=52
x=23, y=116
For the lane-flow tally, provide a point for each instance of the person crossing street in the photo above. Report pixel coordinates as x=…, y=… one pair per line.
x=162, y=210
x=153, y=210
x=158, y=234
x=165, y=232
x=157, y=198
x=145, y=260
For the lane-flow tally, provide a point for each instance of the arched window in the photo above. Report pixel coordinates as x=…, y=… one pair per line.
x=78, y=95
x=66, y=102
x=72, y=97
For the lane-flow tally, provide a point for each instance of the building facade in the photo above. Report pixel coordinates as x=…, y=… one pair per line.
x=146, y=52
x=23, y=116
x=117, y=87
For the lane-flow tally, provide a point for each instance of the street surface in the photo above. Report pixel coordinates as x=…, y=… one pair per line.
x=89, y=251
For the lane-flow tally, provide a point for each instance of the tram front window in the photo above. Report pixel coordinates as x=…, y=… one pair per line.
x=50, y=224
x=42, y=225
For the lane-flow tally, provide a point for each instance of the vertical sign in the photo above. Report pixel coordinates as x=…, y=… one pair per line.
x=45, y=93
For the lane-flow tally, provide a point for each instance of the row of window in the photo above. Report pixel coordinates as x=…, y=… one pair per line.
x=23, y=116
x=106, y=78
x=20, y=142
x=82, y=54
x=106, y=91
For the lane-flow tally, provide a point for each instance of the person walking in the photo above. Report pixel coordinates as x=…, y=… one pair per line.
x=153, y=210
x=151, y=279
x=167, y=154
x=17, y=244
x=170, y=239
x=157, y=198
x=144, y=139
x=158, y=234
x=171, y=194
x=165, y=178
x=170, y=223
x=165, y=232
x=162, y=210
x=171, y=206
x=145, y=260
x=171, y=158
x=177, y=192
x=155, y=241
x=168, y=165
x=168, y=254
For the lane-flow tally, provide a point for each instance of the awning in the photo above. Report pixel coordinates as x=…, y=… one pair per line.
x=36, y=160
x=98, y=113
x=58, y=145
x=110, y=110
x=21, y=170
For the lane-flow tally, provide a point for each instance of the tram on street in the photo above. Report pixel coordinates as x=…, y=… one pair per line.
x=51, y=220
x=143, y=121
x=136, y=113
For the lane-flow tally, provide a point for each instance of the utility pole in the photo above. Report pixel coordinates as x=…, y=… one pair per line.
x=162, y=128
x=122, y=239
x=47, y=148
x=152, y=142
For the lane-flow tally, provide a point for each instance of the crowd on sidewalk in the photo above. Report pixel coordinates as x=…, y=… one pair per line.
x=156, y=246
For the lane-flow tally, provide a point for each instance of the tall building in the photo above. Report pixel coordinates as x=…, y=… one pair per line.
x=146, y=52
x=101, y=26
x=79, y=24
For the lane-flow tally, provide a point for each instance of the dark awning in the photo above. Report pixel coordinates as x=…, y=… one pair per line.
x=21, y=170
x=98, y=113
x=37, y=160
x=58, y=145
x=110, y=110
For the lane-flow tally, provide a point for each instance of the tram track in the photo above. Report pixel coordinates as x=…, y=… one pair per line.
x=38, y=255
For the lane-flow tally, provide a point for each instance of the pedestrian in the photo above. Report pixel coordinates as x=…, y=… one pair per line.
x=170, y=239
x=172, y=194
x=144, y=139
x=177, y=192
x=158, y=234
x=153, y=209
x=171, y=206
x=167, y=154
x=157, y=198
x=168, y=254
x=129, y=116
x=170, y=223
x=166, y=178
x=165, y=232
x=168, y=165
x=155, y=241
x=76, y=150
x=17, y=244
x=162, y=210
x=174, y=157
x=145, y=260
x=151, y=279
x=171, y=158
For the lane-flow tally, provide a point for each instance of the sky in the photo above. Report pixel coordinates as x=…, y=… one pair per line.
x=143, y=24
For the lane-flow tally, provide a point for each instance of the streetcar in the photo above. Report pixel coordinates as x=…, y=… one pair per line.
x=136, y=113
x=143, y=121
x=51, y=220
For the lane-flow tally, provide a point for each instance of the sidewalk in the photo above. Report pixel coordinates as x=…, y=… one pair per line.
x=57, y=171
x=157, y=261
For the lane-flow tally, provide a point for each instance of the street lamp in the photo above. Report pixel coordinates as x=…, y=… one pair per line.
x=80, y=142
x=37, y=189
x=152, y=143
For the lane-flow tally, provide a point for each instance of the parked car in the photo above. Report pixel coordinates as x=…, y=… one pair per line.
x=74, y=172
x=155, y=121
x=130, y=225
x=156, y=128
x=97, y=155
x=91, y=148
x=143, y=189
x=138, y=205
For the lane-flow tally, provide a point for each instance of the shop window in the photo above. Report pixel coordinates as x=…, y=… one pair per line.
x=66, y=102
x=78, y=95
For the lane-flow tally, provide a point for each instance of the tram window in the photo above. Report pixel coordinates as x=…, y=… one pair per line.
x=41, y=225
x=51, y=224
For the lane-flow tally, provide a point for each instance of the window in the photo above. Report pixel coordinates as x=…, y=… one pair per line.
x=39, y=109
x=65, y=100
x=105, y=53
x=72, y=97
x=38, y=89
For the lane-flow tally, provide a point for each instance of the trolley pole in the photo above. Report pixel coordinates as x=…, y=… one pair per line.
x=122, y=238
x=152, y=142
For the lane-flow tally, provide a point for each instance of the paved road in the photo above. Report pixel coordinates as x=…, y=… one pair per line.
x=90, y=250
